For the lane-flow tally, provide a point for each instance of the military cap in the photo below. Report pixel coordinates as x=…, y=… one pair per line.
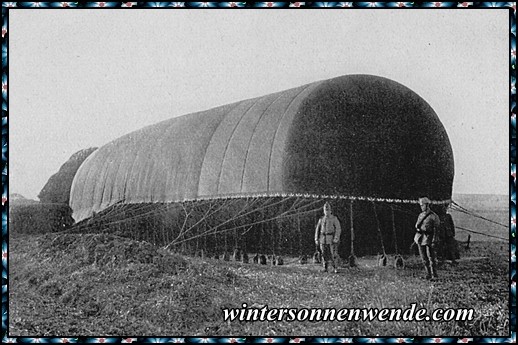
x=424, y=200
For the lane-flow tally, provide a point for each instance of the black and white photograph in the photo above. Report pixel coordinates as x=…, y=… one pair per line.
x=259, y=172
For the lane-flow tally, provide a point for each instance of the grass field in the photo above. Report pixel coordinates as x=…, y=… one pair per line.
x=493, y=207
x=468, y=222
x=104, y=285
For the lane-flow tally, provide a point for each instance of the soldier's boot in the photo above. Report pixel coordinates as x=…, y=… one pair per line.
x=325, y=267
x=428, y=272
x=334, y=265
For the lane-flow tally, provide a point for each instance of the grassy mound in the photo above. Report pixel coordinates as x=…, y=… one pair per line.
x=39, y=218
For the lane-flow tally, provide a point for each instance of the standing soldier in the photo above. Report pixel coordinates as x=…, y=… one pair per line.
x=450, y=248
x=327, y=236
x=426, y=237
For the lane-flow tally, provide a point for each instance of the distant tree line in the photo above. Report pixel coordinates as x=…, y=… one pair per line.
x=53, y=212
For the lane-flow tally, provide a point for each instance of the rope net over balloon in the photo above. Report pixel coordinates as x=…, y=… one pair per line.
x=272, y=225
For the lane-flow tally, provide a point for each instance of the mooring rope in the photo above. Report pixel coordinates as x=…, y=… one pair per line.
x=394, y=231
x=379, y=229
x=352, y=227
x=245, y=225
x=481, y=233
x=254, y=203
x=471, y=213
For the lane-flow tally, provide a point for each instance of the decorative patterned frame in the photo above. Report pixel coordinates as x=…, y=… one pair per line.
x=512, y=157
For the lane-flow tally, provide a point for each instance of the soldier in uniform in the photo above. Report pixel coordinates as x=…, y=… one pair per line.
x=450, y=249
x=327, y=236
x=426, y=237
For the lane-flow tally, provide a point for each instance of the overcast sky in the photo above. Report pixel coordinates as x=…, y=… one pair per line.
x=81, y=78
